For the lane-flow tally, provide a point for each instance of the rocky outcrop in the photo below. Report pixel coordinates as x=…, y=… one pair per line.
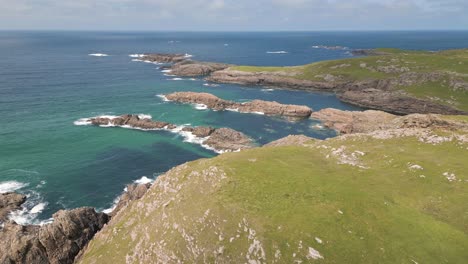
x=132, y=192
x=228, y=139
x=165, y=58
x=395, y=102
x=196, y=68
x=349, y=122
x=57, y=242
x=275, y=79
x=10, y=202
x=255, y=106
x=218, y=139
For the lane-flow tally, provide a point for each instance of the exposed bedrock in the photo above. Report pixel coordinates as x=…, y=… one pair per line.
x=196, y=68
x=57, y=242
x=255, y=106
x=275, y=79
x=211, y=137
x=132, y=192
x=164, y=58
x=348, y=122
x=10, y=202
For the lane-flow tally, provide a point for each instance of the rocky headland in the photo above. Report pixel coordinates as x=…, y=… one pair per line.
x=218, y=139
x=255, y=106
x=61, y=241
x=383, y=79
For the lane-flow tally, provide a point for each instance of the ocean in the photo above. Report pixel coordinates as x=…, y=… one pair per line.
x=49, y=80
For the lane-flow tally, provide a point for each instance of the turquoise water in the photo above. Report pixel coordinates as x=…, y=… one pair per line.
x=48, y=81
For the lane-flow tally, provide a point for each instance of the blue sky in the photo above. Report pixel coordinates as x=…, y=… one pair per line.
x=236, y=15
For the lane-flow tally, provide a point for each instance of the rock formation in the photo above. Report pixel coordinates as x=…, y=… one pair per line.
x=133, y=192
x=219, y=139
x=164, y=58
x=348, y=122
x=58, y=242
x=196, y=68
x=291, y=140
x=10, y=202
x=255, y=106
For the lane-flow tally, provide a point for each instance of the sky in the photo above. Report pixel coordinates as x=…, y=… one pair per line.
x=233, y=15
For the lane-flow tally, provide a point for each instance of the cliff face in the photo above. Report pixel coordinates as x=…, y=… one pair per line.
x=376, y=197
x=58, y=242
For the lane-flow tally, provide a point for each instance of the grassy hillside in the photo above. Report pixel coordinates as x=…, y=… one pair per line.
x=353, y=199
x=447, y=82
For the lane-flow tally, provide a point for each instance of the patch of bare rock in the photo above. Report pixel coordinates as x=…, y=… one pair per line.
x=255, y=106
x=60, y=241
x=219, y=139
x=57, y=242
x=10, y=202
x=348, y=122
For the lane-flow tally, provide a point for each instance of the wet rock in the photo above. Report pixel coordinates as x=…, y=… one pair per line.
x=255, y=106
x=10, y=202
x=57, y=242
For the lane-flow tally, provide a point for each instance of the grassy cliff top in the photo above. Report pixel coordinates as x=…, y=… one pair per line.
x=352, y=199
x=438, y=76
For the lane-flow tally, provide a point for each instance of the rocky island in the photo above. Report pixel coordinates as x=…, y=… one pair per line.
x=218, y=139
x=255, y=106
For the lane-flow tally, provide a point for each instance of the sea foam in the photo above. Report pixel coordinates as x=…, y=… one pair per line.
x=11, y=186
x=98, y=54
x=277, y=52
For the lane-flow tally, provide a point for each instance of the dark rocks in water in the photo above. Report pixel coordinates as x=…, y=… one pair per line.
x=10, y=202
x=165, y=58
x=133, y=192
x=201, y=132
x=134, y=121
x=255, y=106
x=57, y=242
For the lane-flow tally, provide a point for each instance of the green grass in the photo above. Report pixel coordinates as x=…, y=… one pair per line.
x=450, y=63
x=286, y=197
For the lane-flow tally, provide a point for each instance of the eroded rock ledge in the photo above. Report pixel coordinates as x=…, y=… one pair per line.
x=218, y=139
x=60, y=241
x=10, y=202
x=349, y=122
x=255, y=106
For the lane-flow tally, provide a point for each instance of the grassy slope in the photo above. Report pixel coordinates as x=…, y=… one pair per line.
x=453, y=61
x=279, y=200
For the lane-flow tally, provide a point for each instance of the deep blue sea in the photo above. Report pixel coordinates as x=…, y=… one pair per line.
x=48, y=80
